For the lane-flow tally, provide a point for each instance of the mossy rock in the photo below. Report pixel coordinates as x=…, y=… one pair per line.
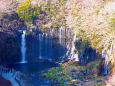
x=93, y=67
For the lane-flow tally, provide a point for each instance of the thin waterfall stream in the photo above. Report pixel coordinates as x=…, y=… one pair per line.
x=23, y=47
x=105, y=55
x=40, y=46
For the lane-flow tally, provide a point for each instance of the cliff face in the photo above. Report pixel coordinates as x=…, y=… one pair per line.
x=93, y=21
x=10, y=37
x=9, y=50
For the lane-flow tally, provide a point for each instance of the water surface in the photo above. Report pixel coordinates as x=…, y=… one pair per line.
x=32, y=66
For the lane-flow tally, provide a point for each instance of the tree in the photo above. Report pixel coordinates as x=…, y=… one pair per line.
x=27, y=11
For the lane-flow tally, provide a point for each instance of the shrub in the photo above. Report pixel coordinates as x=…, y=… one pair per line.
x=27, y=11
x=112, y=23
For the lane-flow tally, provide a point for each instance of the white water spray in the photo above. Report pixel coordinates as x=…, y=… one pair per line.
x=23, y=47
x=106, y=54
x=60, y=34
x=73, y=55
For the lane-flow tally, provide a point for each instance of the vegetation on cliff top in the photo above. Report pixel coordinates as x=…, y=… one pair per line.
x=27, y=11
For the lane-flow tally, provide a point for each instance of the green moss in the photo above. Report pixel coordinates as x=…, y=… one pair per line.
x=82, y=68
x=58, y=74
x=43, y=26
x=61, y=2
x=66, y=76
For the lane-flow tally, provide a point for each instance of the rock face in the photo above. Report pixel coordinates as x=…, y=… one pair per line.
x=10, y=38
x=54, y=41
x=88, y=55
x=9, y=50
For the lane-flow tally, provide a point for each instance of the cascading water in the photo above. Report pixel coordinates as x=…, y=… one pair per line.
x=51, y=48
x=40, y=46
x=60, y=41
x=106, y=64
x=60, y=34
x=51, y=44
x=105, y=54
x=46, y=46
x=109, y=52
x=23, y=47
x=73, y=55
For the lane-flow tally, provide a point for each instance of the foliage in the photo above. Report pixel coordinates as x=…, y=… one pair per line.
x=27, y=11
x=95, y=41
x=73, y=75
x=57, y=75
x=54, y=10
x=83, y=41
x=97, y=12
x=112, y=22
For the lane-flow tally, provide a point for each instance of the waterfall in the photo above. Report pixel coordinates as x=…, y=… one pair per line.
x=73, y=55
x=106, y=54
x=70, y=53
x=60, y=34
x=109, y=52
x=23, y=47
x=51, y=47
x=51, y=44
x=46, y=46
x=103, y=53
x=40, y=46
x=106, y=65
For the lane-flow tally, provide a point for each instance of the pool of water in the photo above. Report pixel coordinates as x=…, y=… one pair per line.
x=32, y=67
x=27, y=73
